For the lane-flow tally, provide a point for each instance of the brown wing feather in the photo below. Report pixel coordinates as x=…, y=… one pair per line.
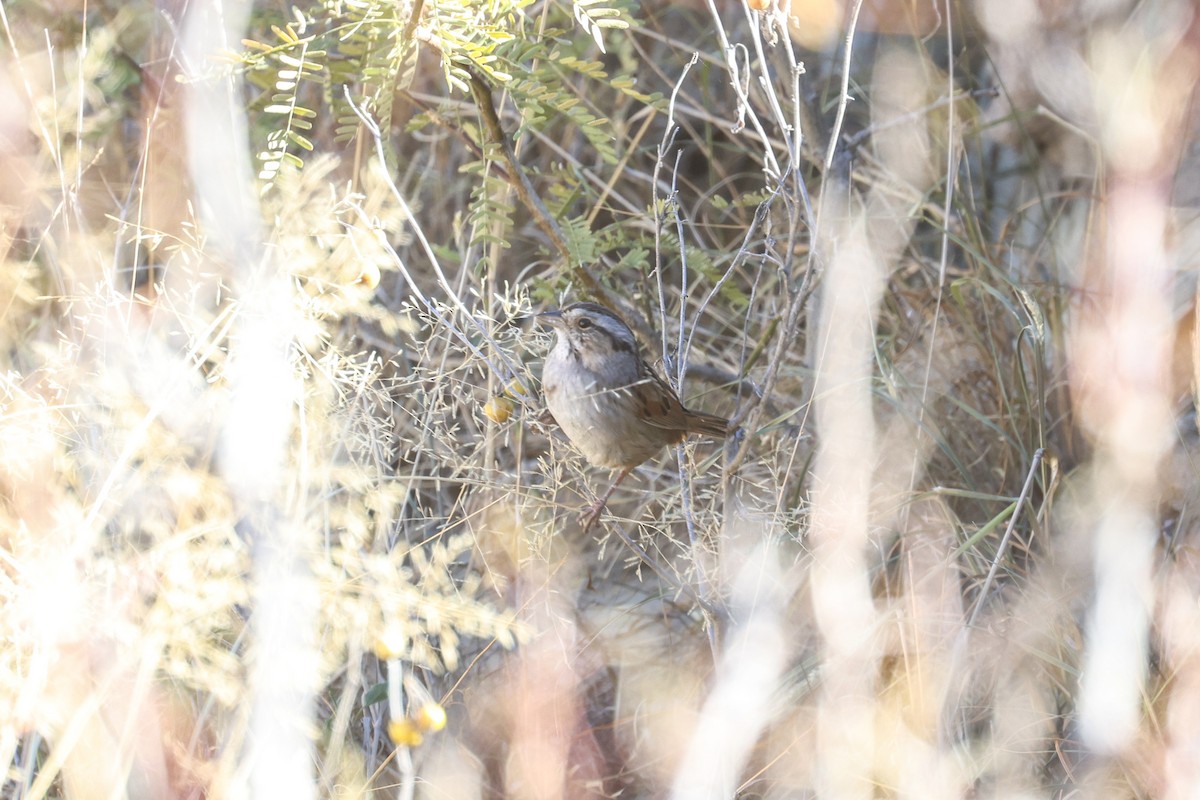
x=662, y=408
x=707, y=424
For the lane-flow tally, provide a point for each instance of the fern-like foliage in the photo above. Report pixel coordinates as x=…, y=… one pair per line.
x=287, y=65
x=594, y=16
x=358, y=56
x=368, y=58
x=490, y=211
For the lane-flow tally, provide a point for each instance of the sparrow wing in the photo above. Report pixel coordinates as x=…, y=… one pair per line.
x=662, y=408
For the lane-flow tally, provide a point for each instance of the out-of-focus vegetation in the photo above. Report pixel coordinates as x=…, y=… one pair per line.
x=280, y=514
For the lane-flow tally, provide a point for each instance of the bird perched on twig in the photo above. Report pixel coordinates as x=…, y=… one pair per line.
x=609, y=402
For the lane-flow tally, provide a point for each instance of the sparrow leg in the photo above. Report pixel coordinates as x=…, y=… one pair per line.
x=592, y=512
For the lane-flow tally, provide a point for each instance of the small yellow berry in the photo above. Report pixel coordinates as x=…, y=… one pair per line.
x=390, y=642
x=368, y=276
x=498, y=409
x=430, y=717
x=403, y=732
x=516, y=389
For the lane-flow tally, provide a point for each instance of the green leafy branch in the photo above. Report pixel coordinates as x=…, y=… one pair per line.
x=294, y=61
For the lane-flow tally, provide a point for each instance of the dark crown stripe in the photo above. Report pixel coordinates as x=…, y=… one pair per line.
x=594, y=308
x=619, y=343
x=622, y=339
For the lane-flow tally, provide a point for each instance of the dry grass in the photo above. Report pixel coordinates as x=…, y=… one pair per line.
x=256, y=525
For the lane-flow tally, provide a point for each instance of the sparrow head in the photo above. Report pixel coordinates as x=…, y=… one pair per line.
x=590, y=332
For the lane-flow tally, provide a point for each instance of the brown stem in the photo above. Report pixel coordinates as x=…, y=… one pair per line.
x=481, y=92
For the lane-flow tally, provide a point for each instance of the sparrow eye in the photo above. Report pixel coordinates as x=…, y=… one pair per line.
x=584, y=324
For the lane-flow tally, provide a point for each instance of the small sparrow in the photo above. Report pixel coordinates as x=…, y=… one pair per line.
x=610, y=403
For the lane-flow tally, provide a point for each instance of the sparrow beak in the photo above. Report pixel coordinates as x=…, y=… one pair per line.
x=552, y=318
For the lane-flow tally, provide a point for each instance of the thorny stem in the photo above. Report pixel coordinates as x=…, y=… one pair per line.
x=481, y=92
